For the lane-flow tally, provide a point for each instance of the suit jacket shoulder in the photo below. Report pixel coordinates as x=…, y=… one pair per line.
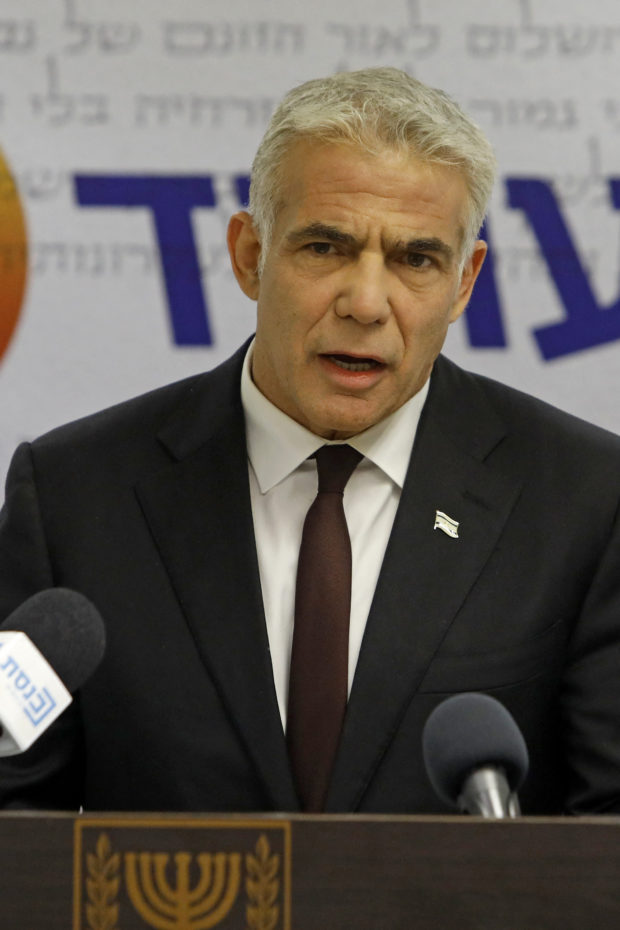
x=145, y=509
x=180, y=415
x=454, y=390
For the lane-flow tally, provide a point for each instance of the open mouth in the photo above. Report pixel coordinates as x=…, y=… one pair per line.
x=352, y=363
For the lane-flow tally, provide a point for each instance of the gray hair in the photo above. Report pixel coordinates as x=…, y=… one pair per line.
x=375, y=108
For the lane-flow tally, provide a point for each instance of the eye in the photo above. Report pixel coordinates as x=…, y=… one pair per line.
x=418, y=260
x=320, y=248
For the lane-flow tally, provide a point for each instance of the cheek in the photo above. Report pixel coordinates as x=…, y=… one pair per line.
x=280, y=334
x=425, y=334
x=423, y=323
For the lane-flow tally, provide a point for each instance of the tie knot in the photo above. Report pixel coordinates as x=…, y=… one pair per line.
x=335, y=465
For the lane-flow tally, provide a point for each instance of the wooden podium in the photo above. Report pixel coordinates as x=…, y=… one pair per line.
x=272, y=872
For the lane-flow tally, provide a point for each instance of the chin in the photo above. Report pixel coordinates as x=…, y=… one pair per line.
x=340, y=416
x=341, y=427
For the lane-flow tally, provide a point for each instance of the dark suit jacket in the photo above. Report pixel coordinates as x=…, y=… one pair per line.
x=145, y=508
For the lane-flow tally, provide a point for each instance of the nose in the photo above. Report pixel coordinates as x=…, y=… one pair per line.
x=364, y=292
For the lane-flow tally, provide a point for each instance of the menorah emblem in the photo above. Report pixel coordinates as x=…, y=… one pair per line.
x=226, y=874
x=179, y=906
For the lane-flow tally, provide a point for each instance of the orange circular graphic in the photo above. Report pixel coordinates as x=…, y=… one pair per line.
x=13, y=255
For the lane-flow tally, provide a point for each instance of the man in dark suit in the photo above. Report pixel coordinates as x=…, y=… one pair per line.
x=483, y=523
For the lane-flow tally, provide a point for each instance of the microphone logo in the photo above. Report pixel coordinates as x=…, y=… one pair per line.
x=32, y=696
x=37, y=702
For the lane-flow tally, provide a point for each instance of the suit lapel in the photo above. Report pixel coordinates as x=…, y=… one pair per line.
x=199, y=513
x=426, y=574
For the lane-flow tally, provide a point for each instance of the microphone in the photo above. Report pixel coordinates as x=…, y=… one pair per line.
x=49, y=646
x=475, y=755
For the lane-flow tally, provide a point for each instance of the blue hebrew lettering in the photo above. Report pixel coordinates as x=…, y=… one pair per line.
x=22, y=681
x=242, y=188
x=587, y=323
x=11, y=664
x=37, y=710
x=171, y=200
x=483, y=316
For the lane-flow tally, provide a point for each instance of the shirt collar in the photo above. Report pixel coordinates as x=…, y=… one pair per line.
x=387, y=444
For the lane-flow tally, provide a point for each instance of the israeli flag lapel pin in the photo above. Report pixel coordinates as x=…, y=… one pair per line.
x=446, y=524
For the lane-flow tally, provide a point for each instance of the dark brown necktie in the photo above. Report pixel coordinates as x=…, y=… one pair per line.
x=317, y=696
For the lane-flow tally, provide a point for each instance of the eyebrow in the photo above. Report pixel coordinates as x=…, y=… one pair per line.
x=427, y=244
x=321, y=231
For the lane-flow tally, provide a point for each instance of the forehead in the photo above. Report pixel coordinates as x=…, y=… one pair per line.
x=391, y=190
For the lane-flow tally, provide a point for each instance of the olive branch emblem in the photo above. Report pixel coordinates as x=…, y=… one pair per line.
x=102, y=886
x=262, y=887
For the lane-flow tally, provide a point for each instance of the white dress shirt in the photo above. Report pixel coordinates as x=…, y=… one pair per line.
x=283, y=484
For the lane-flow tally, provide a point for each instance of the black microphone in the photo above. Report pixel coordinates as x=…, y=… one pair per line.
x=49, y=646
x=475, y=755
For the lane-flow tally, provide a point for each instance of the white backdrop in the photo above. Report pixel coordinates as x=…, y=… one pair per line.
x=152, y=109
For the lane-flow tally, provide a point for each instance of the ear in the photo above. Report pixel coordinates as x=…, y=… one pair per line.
x=468, y=279
x=244, y=251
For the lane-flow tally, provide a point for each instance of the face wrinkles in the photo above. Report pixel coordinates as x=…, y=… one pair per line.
x=359, y=285
x=318, y=231
x=431, y=245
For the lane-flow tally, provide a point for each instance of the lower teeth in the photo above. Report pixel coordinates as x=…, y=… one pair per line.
x=352, y=366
